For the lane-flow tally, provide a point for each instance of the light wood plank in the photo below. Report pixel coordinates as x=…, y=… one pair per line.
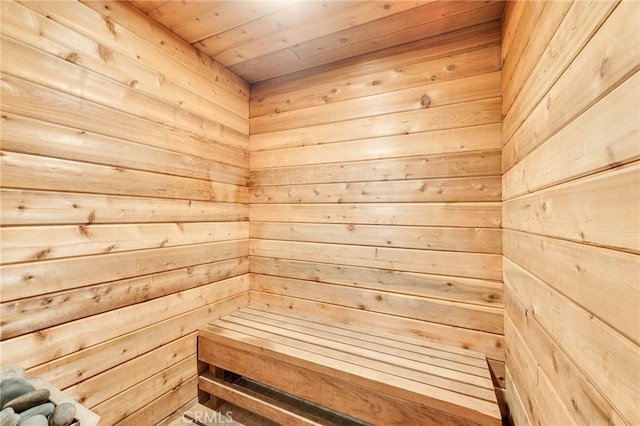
x=177, y=397
x=477, y=240
x=26, y=26
x=469, y=356
x=108, y=384
x=273, y=152
x=19, y=63
x=193, y=19
x=206, y=73
x=28, y=136
x=583, y=273
x=575, y=27
x=455, y=116
x=53, y=208
x=599, y=69
x=26, y=243
x=469, y=89
x=217, y=22
x=478, y=163
x=517, y=412
x=116, y=349
x=486, y=215
x=444, y=312
x=321, y=366
x=288, y=25
x=543, y=401
x=359, y=41
x=600, y=210
x=46, y=345
x=256, y=403
x=36, y=278
x=578, y=394
x=465, y=290
x=467, y=265
x=511, y=18
x=30, y=172
x=407, y=54
x=526, y=53
x=608, y=133
x=607, y=357
x=429, y=190
x=40, y=312
x=38, y=102
x=143, y=393
x=411, y=72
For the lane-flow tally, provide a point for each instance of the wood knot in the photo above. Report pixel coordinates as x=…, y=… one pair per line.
x=425, y=100
x=72, y=57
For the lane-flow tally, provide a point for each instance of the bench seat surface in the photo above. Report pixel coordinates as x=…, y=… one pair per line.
x=378, y=377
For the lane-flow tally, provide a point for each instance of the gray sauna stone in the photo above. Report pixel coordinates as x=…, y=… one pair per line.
x=28, y=400
x=63, y=415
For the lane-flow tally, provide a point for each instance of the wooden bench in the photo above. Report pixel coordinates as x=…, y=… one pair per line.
x=380, y=378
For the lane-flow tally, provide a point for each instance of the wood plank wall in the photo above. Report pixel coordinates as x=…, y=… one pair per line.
x=376, y=187
x=124, y=204
x=571, y=188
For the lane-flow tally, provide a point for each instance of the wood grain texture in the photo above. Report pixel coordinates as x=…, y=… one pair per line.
x=265, y=40
x=124, y=204
x=375, y=188
x=570, y=208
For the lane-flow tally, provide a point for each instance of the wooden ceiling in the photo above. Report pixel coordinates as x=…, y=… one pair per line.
x=259, y=40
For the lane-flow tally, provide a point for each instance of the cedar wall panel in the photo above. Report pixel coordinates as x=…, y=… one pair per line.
x=124, y=204
x=376, y=188
x=571, y=191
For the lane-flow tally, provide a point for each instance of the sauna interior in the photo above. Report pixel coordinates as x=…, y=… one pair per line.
x=462, y=172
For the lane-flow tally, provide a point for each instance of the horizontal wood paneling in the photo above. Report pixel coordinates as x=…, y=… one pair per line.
x=24, y=243
x=455, y=289
x=584, y=402
x=124, y=204
x=488, y=319
x=20, y=207
x=477, y=240
x=570, y=212
x=601, y=65
x=406, y=28
x=21, y=134
x=447, y=165
x=473, y=88
x=40, y=312
x=596, y=345
x=400, y=147
x=375, y=196
x=427, y=190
